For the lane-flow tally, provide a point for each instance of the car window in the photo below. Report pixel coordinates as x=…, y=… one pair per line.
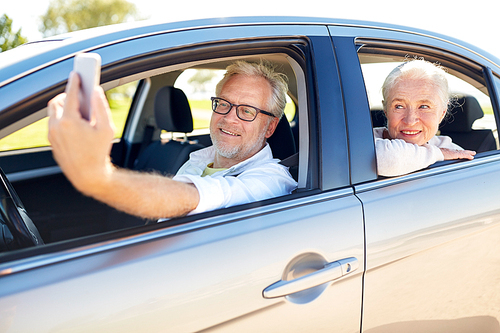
x=464, y=89
x=31, y=136
x=120, y=100
x=35, y=134
x=496, y=82
x=199, y=86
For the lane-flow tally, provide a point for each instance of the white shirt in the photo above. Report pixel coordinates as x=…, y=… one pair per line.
x=258, y=177
x=397, y=157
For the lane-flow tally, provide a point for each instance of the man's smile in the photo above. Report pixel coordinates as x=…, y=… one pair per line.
x=228, y=132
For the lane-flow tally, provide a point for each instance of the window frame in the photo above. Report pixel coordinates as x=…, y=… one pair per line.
x=460, y=64
x=137, y=120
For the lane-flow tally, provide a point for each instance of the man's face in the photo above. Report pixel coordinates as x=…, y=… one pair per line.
x=236, y=140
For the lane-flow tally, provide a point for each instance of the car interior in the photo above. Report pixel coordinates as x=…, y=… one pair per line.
x=158, y=136
x=172, y=114
x=464, y=111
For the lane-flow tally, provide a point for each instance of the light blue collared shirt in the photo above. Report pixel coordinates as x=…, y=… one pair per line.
x=258, y=177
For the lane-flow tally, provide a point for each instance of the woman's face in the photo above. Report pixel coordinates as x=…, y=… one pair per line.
x=414, y=111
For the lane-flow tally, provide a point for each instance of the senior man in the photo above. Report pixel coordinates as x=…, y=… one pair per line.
x=238, y=168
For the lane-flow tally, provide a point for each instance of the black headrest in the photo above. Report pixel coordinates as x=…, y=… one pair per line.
x=378, y=118
x=282, y=142
x=172, y=111
x=464, y=112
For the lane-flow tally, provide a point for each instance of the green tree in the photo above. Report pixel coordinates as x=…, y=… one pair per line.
x=8, y=38
x=71, y=15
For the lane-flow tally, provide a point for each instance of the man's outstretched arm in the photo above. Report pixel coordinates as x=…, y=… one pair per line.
x=82, y=150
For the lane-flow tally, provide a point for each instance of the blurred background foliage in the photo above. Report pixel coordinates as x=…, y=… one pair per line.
x=66, y=16
x=8, y=38
x=71, y=15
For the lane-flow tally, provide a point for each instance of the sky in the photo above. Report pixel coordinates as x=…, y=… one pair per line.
x=473, y=21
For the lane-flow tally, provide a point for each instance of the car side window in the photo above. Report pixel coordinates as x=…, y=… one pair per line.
x=31, y=136
x=496, y=82
x=199, y=86
x=35, y=134
x=470, y=121
x=120, y=100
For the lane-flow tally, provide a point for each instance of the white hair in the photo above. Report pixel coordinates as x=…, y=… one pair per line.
x=418, y=69
x=278, y=82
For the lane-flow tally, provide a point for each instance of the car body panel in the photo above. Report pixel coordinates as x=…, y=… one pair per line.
x=435, y=241
x=331, y=118
x=362, y=156
x=197, y=279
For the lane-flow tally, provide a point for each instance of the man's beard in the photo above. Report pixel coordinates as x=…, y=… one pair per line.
x=225, y=150
x=230, y=151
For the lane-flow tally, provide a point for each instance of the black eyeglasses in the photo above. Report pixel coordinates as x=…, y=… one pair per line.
x=244, y=112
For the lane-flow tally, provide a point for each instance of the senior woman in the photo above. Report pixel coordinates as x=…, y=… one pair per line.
x=415, y=102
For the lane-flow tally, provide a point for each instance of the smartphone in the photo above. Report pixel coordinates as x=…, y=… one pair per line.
x=88, y=66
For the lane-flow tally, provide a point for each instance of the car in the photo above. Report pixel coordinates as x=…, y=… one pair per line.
x=347, y=251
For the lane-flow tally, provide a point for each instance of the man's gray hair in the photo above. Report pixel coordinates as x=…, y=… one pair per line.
x=418, y=69
x=265, y=69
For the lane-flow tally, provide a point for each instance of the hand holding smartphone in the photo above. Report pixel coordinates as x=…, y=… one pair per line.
x=88, y=66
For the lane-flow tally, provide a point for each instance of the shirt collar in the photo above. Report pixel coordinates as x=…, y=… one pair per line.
x=201, y=158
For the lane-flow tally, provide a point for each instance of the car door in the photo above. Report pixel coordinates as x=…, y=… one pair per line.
x=289, y=264
x=427, y=231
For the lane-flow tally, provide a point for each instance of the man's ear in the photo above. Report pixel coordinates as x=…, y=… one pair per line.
x=272, y=127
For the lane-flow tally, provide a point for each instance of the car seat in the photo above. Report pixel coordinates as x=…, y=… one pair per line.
x=172, y=114
x=283, y=146
x=282, y=141
x=458, y=126
x=378, y=118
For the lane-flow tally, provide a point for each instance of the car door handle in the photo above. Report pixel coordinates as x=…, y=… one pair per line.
x=330, y=272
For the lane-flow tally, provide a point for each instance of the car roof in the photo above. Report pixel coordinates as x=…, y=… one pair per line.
x=38, y=54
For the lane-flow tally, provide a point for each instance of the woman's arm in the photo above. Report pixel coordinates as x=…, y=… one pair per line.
x=397, y=157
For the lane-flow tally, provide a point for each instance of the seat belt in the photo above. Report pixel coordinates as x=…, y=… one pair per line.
x=290, y=161
x=486, y=144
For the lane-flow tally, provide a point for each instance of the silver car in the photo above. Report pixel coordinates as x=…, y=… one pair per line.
x=348, y=251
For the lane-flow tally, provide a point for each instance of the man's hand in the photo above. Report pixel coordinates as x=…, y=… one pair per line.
x=452, y=154
x=81, y=148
